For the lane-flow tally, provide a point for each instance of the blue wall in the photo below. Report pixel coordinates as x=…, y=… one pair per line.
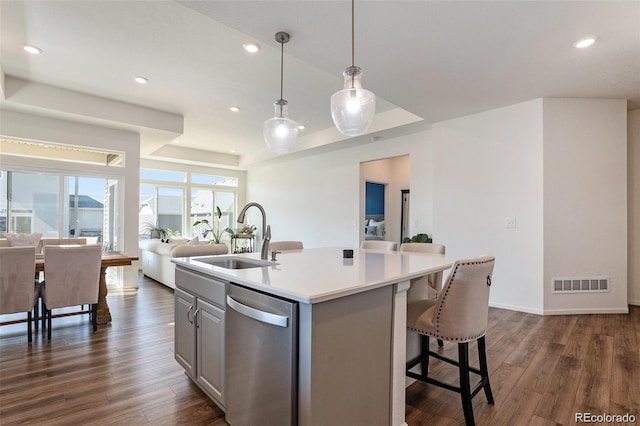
x=374, y=199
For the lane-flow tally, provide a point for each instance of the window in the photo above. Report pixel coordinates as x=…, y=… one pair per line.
x=59, y=206
x=204, y=204
x=176, y=200
x=60, y=152
x=213, y=180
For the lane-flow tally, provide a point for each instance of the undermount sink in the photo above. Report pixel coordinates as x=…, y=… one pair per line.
x=232, y=262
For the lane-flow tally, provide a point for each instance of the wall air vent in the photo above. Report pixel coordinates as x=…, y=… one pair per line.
x=580, y=285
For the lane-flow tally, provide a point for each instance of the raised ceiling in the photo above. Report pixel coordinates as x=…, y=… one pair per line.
x=426, y=61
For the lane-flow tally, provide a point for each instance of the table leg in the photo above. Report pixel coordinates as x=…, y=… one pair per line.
x=104, y=315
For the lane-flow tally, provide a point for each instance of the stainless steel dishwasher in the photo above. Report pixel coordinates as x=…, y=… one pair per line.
x=261, y=359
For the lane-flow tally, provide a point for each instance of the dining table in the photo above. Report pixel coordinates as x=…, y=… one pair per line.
x=108, y=259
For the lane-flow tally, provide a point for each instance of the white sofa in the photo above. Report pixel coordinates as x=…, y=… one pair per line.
x=156, y=257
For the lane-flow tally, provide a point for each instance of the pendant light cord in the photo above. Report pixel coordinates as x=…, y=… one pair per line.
x=281, y=68
x=353, y=35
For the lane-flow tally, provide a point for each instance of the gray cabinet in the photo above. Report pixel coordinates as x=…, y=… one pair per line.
x=199, y=331
x=210, y=350
x=184, y=331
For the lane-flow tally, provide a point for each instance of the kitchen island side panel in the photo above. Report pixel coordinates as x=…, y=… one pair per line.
x=344, y=365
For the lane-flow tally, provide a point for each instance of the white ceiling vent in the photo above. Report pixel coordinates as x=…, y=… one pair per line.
x=580, y=285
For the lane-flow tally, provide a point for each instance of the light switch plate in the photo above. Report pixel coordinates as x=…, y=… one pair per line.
x=510, y=222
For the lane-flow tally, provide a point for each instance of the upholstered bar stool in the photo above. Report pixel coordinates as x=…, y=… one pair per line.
x=429, y=286
x=285, y=245
x=379, y=245
x=458, y=315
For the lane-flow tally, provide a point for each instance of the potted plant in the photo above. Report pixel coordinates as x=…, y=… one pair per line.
x=213, y=230
x=419, y=238
x=245, y=229
x=154, y=230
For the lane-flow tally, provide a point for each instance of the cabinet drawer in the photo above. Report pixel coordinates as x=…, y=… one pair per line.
x=202, y=286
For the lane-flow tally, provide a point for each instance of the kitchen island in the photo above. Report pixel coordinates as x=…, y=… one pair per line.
x=350, y=331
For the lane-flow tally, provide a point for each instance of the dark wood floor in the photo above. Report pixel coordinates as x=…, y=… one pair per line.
x=543, y=370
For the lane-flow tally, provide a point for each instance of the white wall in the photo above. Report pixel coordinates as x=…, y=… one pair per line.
x=488, y=168
x=585, y=201
x=316, y=199
x=633, y=155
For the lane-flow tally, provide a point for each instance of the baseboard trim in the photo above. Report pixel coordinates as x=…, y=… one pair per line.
x=634, y=302
x=526, y=309
x=586, y=311
x=569, y=311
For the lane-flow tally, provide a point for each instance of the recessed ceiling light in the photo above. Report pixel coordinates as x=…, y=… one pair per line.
x=251, y=47
x=233, y=151
x=301, y=127
x=234, y=109
x=32, y=49
x=176, y=141
x=141, y=80
x=584, y=42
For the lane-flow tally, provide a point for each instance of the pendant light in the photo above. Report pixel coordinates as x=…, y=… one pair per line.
x=281, y=132
x=353, y=107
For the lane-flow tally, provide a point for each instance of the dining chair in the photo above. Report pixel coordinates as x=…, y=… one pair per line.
x=285, y=245
x=19, y=290
x=426, y=287
x=379, y=245
x=71, y=278
x=459, y=315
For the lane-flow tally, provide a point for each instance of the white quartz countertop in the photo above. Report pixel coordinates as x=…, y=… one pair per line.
x=320, y=274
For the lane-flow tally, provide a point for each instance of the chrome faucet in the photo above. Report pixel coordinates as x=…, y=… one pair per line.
x=266, y=229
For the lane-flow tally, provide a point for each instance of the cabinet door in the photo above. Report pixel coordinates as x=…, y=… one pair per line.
x=185, y=331
x=210, y=345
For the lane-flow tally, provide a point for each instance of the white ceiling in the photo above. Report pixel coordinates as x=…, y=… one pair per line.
x=426, y=61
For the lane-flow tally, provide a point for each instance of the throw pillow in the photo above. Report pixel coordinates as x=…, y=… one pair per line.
x=380, y=229
x=22, y=240
x=194, y=241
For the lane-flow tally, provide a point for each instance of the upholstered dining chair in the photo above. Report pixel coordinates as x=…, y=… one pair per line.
x=458, y=315
x=425, y=287
x=379, y=245
x=285, y=245
x=18, y=289
x=71, y=278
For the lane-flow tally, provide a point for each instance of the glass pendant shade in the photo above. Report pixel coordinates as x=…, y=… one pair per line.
x=353, y=107
x=280, y=132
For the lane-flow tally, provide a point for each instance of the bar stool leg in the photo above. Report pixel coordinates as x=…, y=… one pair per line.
x=424, y=355
x=484, y=371
x=465, y=387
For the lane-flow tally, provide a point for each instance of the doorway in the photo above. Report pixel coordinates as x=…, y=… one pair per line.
x=394, y=174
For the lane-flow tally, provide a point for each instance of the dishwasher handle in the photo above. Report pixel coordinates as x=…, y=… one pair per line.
x=256, y=314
